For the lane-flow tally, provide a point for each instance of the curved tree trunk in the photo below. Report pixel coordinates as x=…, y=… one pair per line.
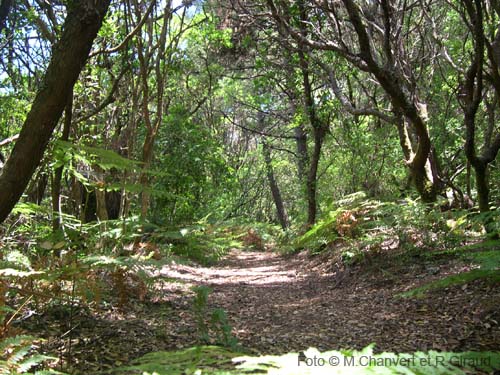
x=80, y=28
x=473, y=95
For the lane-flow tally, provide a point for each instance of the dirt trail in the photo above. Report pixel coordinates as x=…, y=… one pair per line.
x=278, y=304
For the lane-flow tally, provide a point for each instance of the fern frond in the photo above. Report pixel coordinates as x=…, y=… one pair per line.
x=14, y=341
x=33, y=361
x=19, y=354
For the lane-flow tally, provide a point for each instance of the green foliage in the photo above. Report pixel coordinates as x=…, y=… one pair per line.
x=217, y=361
x=367, y=362
x=484, y=258
x=458, y=279
x=213, y=321
x=223, y=330
x=202, y=242
x=322, y=233
x=204, y=359
x=217, y=75
x=18, y=356
x=418, y=229
x=69, y=155
x=329, y=228
x=75, y=263
x=194, y=172
x=200, y=309
x=370, y=222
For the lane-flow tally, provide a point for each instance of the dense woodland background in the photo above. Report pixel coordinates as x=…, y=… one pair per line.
x=134, y=132
x=267, y=111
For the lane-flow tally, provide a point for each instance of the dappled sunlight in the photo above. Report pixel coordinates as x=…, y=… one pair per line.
x=189, y=178
x=244, y=268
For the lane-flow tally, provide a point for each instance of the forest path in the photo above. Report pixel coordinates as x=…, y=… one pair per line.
x=277, y=304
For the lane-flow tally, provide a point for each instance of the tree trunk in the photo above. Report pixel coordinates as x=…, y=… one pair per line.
x=312, y=177
x=275, y=191
x=318, y=128
x=147, y=158
x=403, y=102
x=36, y=188
x=483, y=197
x=68, y=58
x=101, y=211
x=319, y=131
x=302, y=153
x=483, y=191
x=57, y=177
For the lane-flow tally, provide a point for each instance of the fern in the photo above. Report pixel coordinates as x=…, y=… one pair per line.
x=367, y=362
x=206, y=359
x=223, y=329
x=210, y=360
x=200, y=310
x=218, y=323
x=487, y=261
x=106, y=159
x=17, y=357
x=320, y=234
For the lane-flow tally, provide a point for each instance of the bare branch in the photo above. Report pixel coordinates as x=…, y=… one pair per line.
x=129, y=36
x=6, y=141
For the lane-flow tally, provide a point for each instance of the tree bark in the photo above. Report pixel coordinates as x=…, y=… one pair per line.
x=483, y=191
x=57, y=177
x=148, y=61
x=144, y=180
x=319, y=129
x=387, y=77
x=275, y=191
x=302, y=153
x=312, y=177
x=101, y=210
x=472, y=94
x=80, y=28
x=36, y=188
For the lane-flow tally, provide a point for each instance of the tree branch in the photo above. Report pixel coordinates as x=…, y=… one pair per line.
x=6, y=141
x=129, y=35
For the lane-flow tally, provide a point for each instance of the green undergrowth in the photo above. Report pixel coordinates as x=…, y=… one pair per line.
x=457, y=279
x=18, y=356
x=196, y=360
x=369, y=222
x=478, y=246
x=357, y=227
x=204, y=244
x=482, y=257
x=212, y=323
x=219, y=361
x=207, y=243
